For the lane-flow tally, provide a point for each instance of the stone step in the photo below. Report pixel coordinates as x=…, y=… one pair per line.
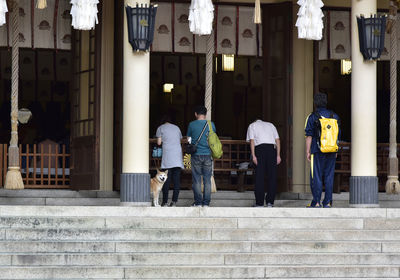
x=304, y=235
x=251, y=272
x=353, y=278
x=219, y=199
x=259, y=247
x=181, y=203
x=198, y=247
x=196, y=235
x=61, y=242
x=197, y=259
x=303, y=259
x=195, y=212
x=202, y=223
x=325, y=278
x=193, y=272
x=184, y=194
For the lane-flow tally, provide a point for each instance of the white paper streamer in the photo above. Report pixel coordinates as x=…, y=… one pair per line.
x=84, y=14
x=3, y=11
x=201, y=16
x=309, y=22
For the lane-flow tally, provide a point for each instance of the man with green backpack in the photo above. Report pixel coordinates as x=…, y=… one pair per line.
x=207, y=146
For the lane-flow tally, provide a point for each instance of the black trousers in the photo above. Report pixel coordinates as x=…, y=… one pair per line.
x=174, y=175
x=266, y=164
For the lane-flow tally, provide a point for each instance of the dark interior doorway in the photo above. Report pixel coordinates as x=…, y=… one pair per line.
x=44, y=89
x=277, y=87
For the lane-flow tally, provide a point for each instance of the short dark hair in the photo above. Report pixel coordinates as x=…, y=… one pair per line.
x=320, y=100
x=200, y=110
x=166, y=118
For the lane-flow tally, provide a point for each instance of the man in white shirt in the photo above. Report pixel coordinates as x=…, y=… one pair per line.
x=265, y=149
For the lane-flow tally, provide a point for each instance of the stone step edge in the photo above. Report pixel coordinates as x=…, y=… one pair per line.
x=194, y=212
x=211, y=266
x=203, y=253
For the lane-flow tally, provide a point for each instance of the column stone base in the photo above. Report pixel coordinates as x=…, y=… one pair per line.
x=135, y=189
x=364, y=191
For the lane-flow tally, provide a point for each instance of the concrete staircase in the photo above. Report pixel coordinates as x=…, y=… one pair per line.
x=63, y=242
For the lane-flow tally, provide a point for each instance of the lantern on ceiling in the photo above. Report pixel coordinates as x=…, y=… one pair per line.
x=41, y=4
x=3, y=11
x=141, y=22
x=371, y=34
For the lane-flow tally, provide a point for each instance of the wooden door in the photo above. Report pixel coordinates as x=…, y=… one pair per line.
x=85, y=105
x=277, y=87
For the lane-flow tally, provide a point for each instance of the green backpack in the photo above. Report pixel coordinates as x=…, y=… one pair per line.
x=214, y=143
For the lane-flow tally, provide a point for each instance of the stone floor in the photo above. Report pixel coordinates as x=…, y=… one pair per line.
x=219, y=199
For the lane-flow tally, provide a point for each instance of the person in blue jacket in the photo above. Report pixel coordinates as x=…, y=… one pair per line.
x=322, y=164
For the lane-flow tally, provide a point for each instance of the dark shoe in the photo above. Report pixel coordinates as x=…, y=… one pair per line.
x=329, y=205
x=172, y=204
x=196, y=205
x=256, y=205
x=313, y=204
x=164, y=204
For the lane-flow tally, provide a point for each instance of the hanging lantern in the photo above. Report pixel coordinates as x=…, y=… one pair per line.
x=257, y=12
x=141, y=22
x=345, y=67
x=201, y=16
x=84, y=14
x=371, y=34
x=309, y=22
x=41, y=4
x=3, y=11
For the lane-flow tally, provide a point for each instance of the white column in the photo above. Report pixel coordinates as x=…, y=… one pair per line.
x=363, y=181
x=136, y=109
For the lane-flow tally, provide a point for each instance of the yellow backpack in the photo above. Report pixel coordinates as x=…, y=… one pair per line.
x=328, y=134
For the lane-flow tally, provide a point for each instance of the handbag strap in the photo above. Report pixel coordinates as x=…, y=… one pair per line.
x=201, y=134
x=210, y=126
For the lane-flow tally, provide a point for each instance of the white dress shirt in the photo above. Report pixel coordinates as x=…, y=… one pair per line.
x=262, y=133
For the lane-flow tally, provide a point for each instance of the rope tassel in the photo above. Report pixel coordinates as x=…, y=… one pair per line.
x=201, y=16
x=257, y=12
x=41, y=4
x=84, y=14
x=309, y=21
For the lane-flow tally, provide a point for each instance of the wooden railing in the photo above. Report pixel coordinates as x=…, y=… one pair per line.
x=47, y=166
x=227, y=172
x=42, y=166
x=238, y=151
x=343, y=165
x=235, y=152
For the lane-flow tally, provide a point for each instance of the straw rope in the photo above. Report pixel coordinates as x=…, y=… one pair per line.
x=393, y=91
x=392, y=183
x=14, y=76
x=209, y=74
x=13, y=176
